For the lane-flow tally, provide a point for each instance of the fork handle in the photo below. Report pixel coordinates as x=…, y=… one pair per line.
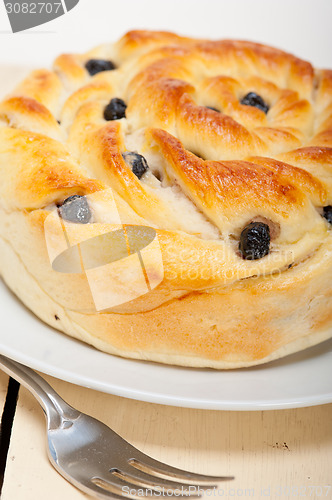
x=57, y=411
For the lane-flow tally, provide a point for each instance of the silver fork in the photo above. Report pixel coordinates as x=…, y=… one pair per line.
x=94, y=458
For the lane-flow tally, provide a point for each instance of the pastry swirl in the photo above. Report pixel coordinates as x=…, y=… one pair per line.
x=223, y=149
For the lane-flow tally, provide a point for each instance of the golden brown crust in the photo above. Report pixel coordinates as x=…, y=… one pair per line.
x=211, y=173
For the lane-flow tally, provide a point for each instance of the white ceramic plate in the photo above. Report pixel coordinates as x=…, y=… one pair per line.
x=303, y=379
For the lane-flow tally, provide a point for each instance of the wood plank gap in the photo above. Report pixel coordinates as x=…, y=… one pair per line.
x=6, y=425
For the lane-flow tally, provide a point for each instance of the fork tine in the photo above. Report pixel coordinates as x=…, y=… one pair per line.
x=154, y=467
x=114, y=488
x=142, y=479
x=94, y=489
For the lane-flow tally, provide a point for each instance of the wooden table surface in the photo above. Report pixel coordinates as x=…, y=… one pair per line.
x=274, y=454
x=287, y=453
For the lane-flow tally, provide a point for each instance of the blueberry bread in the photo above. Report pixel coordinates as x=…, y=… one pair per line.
x=170, y=199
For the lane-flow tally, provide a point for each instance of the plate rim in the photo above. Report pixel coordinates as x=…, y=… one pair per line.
x=63, y=372
x=71, y=377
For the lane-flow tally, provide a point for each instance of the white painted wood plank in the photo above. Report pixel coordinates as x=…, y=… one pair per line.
x=270, y=450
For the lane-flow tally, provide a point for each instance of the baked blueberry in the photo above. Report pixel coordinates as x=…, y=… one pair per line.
x=115, y=110
x=255, y=241
x=213, y=109
x=95, y=66
x=327, y=213
x=255, y=100
x=137, y=162
x=75, y=209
